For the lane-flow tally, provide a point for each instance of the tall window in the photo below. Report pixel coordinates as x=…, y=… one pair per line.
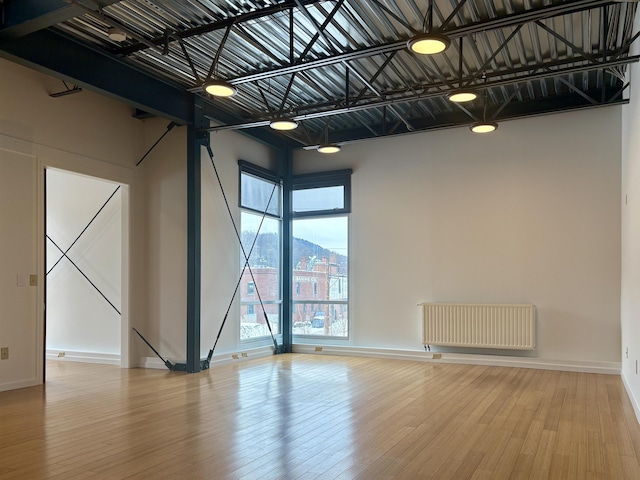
x=260, y=231
x=320, y=252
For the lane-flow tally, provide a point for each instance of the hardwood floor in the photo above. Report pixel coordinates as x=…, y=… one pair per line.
x=307, y=416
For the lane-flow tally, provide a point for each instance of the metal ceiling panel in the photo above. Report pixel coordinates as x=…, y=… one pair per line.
x=344, y=65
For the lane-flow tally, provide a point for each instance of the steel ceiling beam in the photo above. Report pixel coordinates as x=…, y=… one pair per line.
x=60, y=56
x=527, y=74
x=510, y=20
x=369, y=84
x=537, y=107
x=22, y=17
x=212, y=27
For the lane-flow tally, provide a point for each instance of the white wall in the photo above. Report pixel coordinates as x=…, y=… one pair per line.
x=84, y=133
x=92, y=135
x=529, y=214
x=18, y=260
x=161, y=243
x=163, y=190
x=79, y=320
x=630, y=298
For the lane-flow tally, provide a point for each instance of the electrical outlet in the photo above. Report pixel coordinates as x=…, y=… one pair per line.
x=61, y=354
x=33, y=280
x=244, y=355
x=4, y=353
x=318, y=349
x=437, y=356
x=235, y=356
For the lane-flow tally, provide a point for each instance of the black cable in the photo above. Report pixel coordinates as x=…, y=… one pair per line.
x=169, y=128
x=82, y=273
x=167, y=363
x=84, y=229
x=246, y=263
x=244, y=253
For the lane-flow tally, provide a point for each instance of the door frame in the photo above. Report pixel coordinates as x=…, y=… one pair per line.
x=124, y=260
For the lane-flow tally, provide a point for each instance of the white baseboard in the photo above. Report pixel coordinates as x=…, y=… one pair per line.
x=609, y=368
x=19, y=384
x=634, y=401
x=150, y=362
x=217, y=360
x=84, y=357
x=248, y=354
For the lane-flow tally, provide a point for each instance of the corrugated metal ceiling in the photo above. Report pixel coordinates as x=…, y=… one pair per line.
x=529, y=56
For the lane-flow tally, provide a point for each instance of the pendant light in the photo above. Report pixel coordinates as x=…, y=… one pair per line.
x=327, y=147
x=461, y=94
x=213, y=85
x=283, y=124
x=485, y=126
x=219, y=88
x=428, y=43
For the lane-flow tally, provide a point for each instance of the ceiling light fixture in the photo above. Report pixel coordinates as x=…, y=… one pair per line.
x=116, y=34
x=219, y=88
x=329, y=148
x=326, y=146
x=484, y=127
x=428, y=43
x=461, y=94
x=213, y=85
x=283, y=124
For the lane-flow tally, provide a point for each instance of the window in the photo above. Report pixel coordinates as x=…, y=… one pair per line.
x=260, y=231
x=320, y=254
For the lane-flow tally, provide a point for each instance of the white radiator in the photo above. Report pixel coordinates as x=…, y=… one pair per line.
x=480, y=326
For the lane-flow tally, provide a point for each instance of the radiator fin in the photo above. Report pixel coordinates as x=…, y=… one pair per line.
x=479, y=325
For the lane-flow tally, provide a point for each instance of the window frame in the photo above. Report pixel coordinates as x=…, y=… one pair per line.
x=321, y=180
x=263, y=174
x=335, y=178
x=257, y=171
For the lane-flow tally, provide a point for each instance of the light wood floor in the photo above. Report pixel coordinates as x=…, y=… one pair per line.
x=307, y=416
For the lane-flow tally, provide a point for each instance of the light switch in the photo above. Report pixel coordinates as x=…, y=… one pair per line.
x=21, y=280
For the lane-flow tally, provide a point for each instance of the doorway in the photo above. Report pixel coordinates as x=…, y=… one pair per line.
x=84, y=269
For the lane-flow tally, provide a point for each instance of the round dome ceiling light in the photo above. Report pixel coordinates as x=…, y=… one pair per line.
x=428, y=43
x=461, y=96
x=484, y=127
x=329, y=148
x=219, y=88
x=283, y=124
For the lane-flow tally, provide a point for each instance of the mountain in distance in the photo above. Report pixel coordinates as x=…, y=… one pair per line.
x=267, y=249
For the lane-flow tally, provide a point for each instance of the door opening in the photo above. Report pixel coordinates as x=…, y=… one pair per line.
x=84, y=278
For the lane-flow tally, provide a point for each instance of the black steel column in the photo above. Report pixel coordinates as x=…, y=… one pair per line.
x=194, y=187
x=286, y=169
